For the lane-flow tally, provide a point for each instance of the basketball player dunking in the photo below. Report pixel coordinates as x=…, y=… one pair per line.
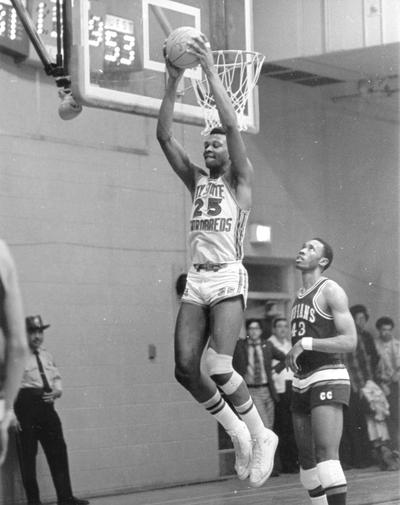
x=322, y=328
x=215, y=295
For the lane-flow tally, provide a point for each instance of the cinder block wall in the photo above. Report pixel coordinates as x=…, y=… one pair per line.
x=97, y=222
x=324, y=172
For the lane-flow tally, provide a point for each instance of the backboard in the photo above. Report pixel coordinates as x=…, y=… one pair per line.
x=117, y=61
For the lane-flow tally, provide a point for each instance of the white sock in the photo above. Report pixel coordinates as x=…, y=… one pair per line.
x=221, y=411
x=319, y=500
x=333, y=480
x=249, y=413
x=310, y=480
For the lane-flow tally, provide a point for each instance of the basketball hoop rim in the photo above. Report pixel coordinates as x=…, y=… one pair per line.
x=236, y=51
x=239, y=71
x=254, y=56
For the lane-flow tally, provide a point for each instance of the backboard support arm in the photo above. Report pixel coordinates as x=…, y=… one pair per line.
x=69, y=108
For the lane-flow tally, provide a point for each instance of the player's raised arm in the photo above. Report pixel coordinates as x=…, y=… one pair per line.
x=174, y=152
x=241, y=170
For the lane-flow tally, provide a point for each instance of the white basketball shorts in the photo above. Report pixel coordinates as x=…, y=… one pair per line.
x=208, y=288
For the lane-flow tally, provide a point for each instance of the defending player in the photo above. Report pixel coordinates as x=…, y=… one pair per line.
x=216, y=289
x=322, y=328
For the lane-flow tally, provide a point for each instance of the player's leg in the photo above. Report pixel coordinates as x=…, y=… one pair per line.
x=264, y=404
x=327, y=424
x=219, y=367
x=191, y=336
x=308, y=466
x=226, y=322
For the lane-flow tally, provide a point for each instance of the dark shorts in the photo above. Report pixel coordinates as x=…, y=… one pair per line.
x=327, y=385
x=320, y=394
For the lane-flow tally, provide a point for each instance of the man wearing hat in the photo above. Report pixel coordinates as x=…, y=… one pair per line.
x=39, y=421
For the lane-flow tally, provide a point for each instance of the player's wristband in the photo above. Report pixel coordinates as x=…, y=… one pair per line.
x=306, y=343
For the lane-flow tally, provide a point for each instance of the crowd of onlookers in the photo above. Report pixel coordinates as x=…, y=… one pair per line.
x=371, y=422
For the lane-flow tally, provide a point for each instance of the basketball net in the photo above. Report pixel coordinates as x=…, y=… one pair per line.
x=239, y=72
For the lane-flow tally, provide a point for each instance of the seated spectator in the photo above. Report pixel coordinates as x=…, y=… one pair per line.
x=287, y=448
x=388, y=373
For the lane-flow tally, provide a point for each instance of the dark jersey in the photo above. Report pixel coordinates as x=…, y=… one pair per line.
x=309, y=320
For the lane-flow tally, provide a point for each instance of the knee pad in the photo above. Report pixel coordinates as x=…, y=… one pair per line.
x=309, y=478
x=331, y=474
x=233, y=383
x=221, y=364
x=218, y=364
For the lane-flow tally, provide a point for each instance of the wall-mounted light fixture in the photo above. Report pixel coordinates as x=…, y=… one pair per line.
x=260, y=234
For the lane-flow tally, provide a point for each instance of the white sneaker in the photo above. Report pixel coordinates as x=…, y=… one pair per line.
x=262, y=461
x=242, y=444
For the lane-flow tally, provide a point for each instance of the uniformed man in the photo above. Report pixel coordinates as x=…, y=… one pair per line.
x=39, y=422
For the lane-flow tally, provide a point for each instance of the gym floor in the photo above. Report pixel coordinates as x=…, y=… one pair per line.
x=365, y=487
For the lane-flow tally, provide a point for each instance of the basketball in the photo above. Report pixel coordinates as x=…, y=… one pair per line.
x=176, y=46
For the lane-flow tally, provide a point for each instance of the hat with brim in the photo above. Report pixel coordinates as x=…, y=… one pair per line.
x=35, y=323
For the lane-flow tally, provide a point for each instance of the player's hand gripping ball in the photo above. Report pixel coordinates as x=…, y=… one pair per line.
x=176, y=47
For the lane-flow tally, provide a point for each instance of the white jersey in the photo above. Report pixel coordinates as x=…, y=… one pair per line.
x=217, y=223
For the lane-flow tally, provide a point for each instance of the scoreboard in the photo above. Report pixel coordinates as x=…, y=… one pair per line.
x=112, y=38
x=13, y=38
x=112, y=43
x=115, y=57
x=44, y=17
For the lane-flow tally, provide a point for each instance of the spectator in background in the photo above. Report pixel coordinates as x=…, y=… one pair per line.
x=13, y=341
x=361, y=316
x=377, y=411
x=287, y=449
x=180, y=285
x=355, y=449
x=365, y=435
x=253, y=360
x=39, y=421
x=388, y=373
